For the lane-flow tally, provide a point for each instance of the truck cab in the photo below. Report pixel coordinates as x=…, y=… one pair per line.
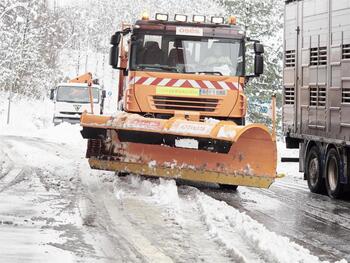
x=72, y=99
x=175, y=77
x=184, y=67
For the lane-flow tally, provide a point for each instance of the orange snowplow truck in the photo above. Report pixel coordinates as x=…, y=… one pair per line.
x=181, y=91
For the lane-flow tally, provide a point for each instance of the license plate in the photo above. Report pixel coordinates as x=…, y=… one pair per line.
x=186, y=143
x=213, y=92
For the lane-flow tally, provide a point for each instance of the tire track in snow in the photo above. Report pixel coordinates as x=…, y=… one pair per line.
x=45, y=199
x=170, y=218
x=13, y=177
x=218, y=226
x=243, y=239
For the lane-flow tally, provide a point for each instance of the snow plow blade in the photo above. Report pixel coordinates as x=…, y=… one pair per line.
x=216, y=151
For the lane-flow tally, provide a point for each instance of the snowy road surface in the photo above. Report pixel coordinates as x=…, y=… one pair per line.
x=53, y=208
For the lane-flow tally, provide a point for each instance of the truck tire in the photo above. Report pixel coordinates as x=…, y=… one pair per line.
x=121, y=174
x=313, y=171
x=334, y=188
x=228, y=187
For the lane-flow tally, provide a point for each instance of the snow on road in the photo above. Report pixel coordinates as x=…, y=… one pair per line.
x=239, y=237
x=54, y=208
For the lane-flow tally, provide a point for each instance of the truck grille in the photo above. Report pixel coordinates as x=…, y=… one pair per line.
x=185, y=104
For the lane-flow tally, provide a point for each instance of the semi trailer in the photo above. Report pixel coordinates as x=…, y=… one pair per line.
x=316, y=91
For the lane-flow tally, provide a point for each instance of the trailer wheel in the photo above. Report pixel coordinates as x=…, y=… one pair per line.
x=313, y=171
x=334, y=188
x=228, y=187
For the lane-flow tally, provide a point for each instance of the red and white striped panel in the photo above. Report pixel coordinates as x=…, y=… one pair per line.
x=186, y=83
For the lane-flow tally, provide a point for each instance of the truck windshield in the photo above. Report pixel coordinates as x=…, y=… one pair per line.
x=187, y=54
x=76, y=94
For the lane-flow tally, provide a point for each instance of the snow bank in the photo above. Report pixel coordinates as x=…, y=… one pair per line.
x=26, y=114
x=270, y=246
x=33, y=118
x=227, y=226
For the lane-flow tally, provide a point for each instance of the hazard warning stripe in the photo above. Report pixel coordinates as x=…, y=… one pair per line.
x=186, y=83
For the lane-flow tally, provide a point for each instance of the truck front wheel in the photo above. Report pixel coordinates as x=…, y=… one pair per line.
x=313, y=171
x=228, y=187
x=334, y=188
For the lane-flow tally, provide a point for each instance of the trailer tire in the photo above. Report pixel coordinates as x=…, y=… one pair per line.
x=334, y=188
x=228, y=187
x=313, y=171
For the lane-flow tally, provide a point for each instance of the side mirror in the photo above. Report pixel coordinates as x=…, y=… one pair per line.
x=115, y=39
x=103, y=94
x=258, y=58
x=114, y=57
x=52, y=94
x=258, y=48
x=258, y=65
x=114, y=51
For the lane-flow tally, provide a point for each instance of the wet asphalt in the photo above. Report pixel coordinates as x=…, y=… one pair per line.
x=287, y=208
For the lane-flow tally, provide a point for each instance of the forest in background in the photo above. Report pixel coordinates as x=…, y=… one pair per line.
x=35, y=35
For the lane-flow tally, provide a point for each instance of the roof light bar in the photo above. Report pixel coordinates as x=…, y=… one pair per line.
x=217, y=20
x=198, y=19
x=162, y=17
x=180, y=18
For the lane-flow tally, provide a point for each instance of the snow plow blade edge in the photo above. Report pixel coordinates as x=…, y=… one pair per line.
x=216, y=152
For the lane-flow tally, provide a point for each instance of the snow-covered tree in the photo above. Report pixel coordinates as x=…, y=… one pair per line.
x=28, y=47
x=262, y=20
x=99, y=19
x=34, y=35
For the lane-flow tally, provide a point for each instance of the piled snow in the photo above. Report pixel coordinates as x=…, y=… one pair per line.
x=187, y=143
x=227, y=226
x=224, y=132
x=162, y=192
x=221, y=218
x=33, y=118
x=26, y=114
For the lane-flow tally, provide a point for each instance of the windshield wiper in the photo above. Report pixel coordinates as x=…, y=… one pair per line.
x=157, y=67
x=204, y=72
